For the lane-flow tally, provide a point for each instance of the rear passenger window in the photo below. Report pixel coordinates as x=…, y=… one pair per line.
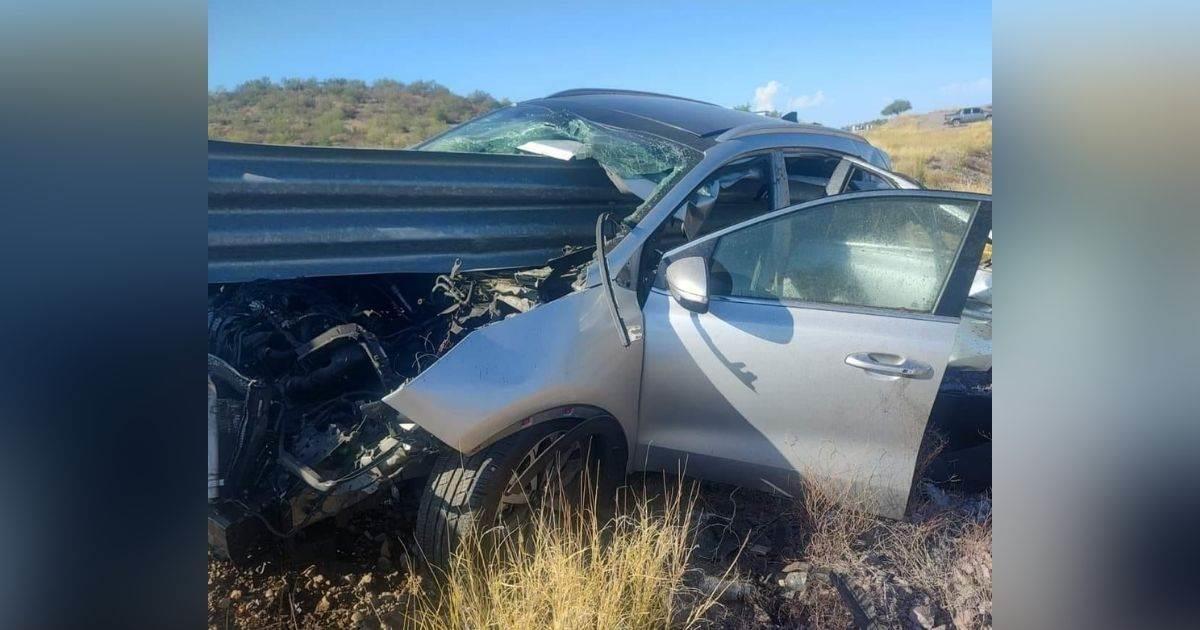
x=861, y=180
x=808, y=175
x=893, y=253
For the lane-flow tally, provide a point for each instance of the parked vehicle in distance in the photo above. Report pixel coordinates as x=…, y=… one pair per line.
x=598, y=280
x=967, y=115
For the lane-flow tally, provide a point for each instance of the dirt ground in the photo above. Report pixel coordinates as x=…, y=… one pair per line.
x=364, y=571
x=350, y=574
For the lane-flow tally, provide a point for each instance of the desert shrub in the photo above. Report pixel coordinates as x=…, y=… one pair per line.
x=318, y=112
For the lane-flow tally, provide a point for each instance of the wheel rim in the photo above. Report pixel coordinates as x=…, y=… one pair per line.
x=564, y=468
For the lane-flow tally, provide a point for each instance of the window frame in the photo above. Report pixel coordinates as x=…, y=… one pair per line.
x=781, y=192
x=897, y=181
x=779, y=155
x=951, y=296
x=780, y=201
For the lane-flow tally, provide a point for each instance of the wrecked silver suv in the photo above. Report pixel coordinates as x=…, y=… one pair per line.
x=600, y=278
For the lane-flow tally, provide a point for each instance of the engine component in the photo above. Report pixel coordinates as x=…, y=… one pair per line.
x=297, y=368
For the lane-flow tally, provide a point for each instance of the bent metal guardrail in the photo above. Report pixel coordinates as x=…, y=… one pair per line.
x=279, y=212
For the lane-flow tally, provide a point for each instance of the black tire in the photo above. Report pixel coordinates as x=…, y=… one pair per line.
x=464, y=491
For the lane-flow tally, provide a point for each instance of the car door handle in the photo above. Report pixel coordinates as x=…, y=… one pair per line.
x=889, y=364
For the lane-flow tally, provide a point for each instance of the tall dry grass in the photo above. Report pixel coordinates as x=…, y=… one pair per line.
x=940, y=157
x=567, y=569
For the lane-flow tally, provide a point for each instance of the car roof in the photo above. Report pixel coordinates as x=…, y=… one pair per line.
x=695, y=123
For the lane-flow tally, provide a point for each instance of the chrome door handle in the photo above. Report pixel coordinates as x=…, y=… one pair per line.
x=889, y=364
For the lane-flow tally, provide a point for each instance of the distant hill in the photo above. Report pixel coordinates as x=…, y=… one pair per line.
x=950, y=158
x=340, y=112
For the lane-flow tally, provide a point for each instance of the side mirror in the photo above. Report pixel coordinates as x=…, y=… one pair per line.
x=687, y=279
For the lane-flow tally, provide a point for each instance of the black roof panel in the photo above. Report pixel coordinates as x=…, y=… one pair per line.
x=696, y=118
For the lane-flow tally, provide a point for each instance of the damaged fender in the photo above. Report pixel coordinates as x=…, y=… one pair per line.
x=501, y=377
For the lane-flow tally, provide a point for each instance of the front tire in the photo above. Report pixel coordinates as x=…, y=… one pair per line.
x=464, y=494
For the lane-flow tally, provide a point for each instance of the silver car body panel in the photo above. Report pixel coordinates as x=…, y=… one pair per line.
x=742, y=393
x=762, y=390
x=560, y=354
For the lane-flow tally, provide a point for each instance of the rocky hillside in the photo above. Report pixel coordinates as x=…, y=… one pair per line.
x=340, y=112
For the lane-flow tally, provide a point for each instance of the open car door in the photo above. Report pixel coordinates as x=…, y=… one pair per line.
x=809, y=343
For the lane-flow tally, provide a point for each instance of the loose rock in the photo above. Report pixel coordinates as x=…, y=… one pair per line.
x=795, y=581
x=922, y=616
x=730, y=591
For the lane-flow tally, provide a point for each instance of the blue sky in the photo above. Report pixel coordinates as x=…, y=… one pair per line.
x=834, y=61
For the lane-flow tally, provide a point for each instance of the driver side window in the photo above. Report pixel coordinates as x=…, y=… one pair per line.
x=736, y=192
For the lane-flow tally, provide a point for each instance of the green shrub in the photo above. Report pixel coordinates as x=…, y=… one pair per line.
x=342, y=112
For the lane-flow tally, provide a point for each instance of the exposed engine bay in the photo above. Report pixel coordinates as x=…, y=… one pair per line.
x=296, y=371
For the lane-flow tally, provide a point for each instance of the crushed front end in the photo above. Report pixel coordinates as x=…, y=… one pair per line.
x=296, y=371
x=329, y=289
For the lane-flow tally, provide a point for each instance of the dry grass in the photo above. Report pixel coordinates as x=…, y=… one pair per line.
x=949, y=556
x=569, y=570
x=947, y=158
x=941, y=558
x=835, y=524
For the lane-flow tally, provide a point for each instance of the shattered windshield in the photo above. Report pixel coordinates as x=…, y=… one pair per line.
x=628, y=155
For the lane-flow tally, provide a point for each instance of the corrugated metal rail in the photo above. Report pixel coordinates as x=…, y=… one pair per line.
x=284, y=212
